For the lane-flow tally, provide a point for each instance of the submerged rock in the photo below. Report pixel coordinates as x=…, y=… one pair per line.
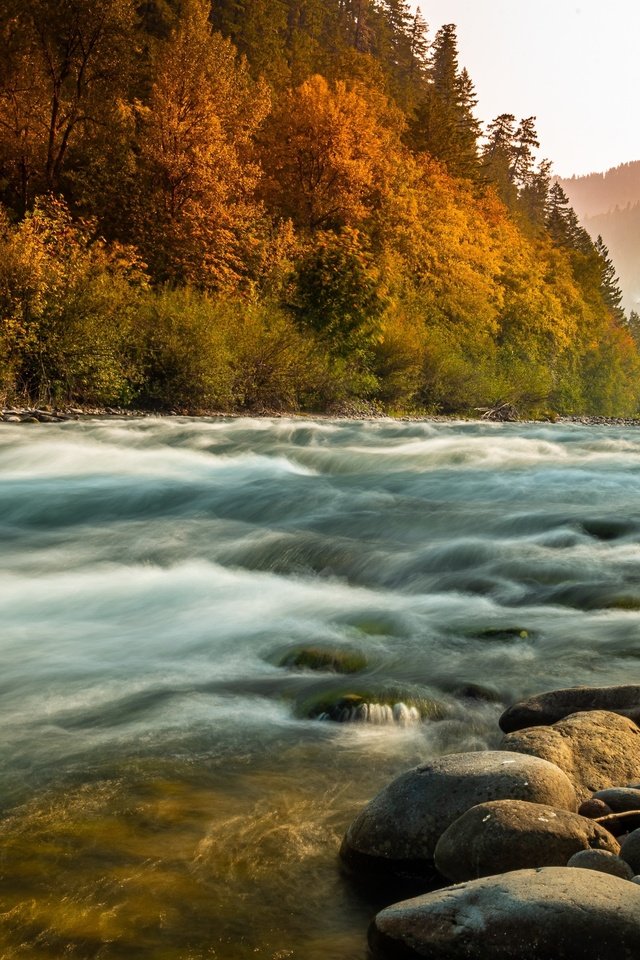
x=324, y=658
x=503, y=633
x=477, y=692
x=508, y=835
x=379, y=708
x=397, y=832
x=554, y=913
x=548, y=708
x=595, y=749
x=603, y=861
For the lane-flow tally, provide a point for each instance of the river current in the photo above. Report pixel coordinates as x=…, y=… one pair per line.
x=172, y=784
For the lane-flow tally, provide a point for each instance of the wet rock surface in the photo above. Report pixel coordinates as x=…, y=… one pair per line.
x=407, y=818
x=548, y=708
x=603, y=861
x=56, y=415
x=507, y=835
x=619, y=799
x=596, y=749
x=630, y=850
x=554, y=913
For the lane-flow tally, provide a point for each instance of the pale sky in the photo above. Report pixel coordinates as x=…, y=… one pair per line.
x=574, y=64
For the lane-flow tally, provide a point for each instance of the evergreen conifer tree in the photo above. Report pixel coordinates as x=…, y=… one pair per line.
x=609, y=284
x=444, y=124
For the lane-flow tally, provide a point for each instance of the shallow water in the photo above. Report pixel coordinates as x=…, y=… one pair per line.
x=166, y=792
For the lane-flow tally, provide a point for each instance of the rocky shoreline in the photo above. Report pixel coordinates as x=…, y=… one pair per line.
x=540, y=839
x=48, y=414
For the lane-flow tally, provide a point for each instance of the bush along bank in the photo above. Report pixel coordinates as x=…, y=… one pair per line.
x=540, y=838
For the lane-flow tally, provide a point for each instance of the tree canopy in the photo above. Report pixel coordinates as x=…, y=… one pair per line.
x=280, y=203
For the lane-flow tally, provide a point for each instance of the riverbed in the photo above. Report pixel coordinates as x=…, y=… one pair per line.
x=172, y=786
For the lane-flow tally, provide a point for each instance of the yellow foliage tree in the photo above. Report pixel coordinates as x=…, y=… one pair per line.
x=326, y=151
x=196, y=214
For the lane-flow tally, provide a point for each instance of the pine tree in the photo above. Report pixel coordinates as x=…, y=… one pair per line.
x=419, y=47
x=609, y=283
x=524, y=143
x=444, y=124
x=498, y=156
x=535, y=194
x=562, y=223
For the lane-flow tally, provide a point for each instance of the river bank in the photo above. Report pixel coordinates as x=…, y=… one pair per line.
x=47, y=414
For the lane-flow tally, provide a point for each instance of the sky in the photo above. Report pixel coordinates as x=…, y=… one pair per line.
x=573, y=64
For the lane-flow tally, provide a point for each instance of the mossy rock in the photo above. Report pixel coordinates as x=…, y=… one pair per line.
x=325, y=659
x=625, y=603
x=503, y=634
x=477, y=692
x=378, y=707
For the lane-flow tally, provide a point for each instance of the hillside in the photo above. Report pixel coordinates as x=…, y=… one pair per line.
x=599, y=193
x=272, y=204
x=608, y=204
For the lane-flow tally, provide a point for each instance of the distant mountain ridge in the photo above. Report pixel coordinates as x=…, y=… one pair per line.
x=609, y=204
x=598, y=193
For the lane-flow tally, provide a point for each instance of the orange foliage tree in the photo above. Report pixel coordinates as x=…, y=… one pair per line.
x=196, y=217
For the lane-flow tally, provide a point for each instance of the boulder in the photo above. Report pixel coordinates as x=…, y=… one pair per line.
x=547, y=708
x=620, y=799
x=508, y=835
x=554, y=913
x=333, y=660
x=397, y=832
x=593, y=808
x=596, y=749
x=603, y=861
x=630, y=850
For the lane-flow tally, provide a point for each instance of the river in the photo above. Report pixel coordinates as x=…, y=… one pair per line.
x=171, y=790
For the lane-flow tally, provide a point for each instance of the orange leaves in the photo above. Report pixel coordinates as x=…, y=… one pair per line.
x=197, y=174
x=324, y=154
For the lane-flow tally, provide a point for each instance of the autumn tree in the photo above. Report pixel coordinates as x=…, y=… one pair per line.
x=325, y=152
x=67, y=65
x=66, y=307
x=195, y=214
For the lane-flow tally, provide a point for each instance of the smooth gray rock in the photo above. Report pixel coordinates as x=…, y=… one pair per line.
x=547, y=708
x=630, y=850
x=514, y=835
x=603, y=861
x=400, y=827
x=596, y=749
x=555, y=913
x=620, y=799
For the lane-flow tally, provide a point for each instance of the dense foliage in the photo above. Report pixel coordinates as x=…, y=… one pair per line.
x=284, y=204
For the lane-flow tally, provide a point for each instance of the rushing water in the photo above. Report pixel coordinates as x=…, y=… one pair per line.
x=167, y=788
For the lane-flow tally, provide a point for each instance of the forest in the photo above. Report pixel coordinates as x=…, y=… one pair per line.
x=282, y=205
